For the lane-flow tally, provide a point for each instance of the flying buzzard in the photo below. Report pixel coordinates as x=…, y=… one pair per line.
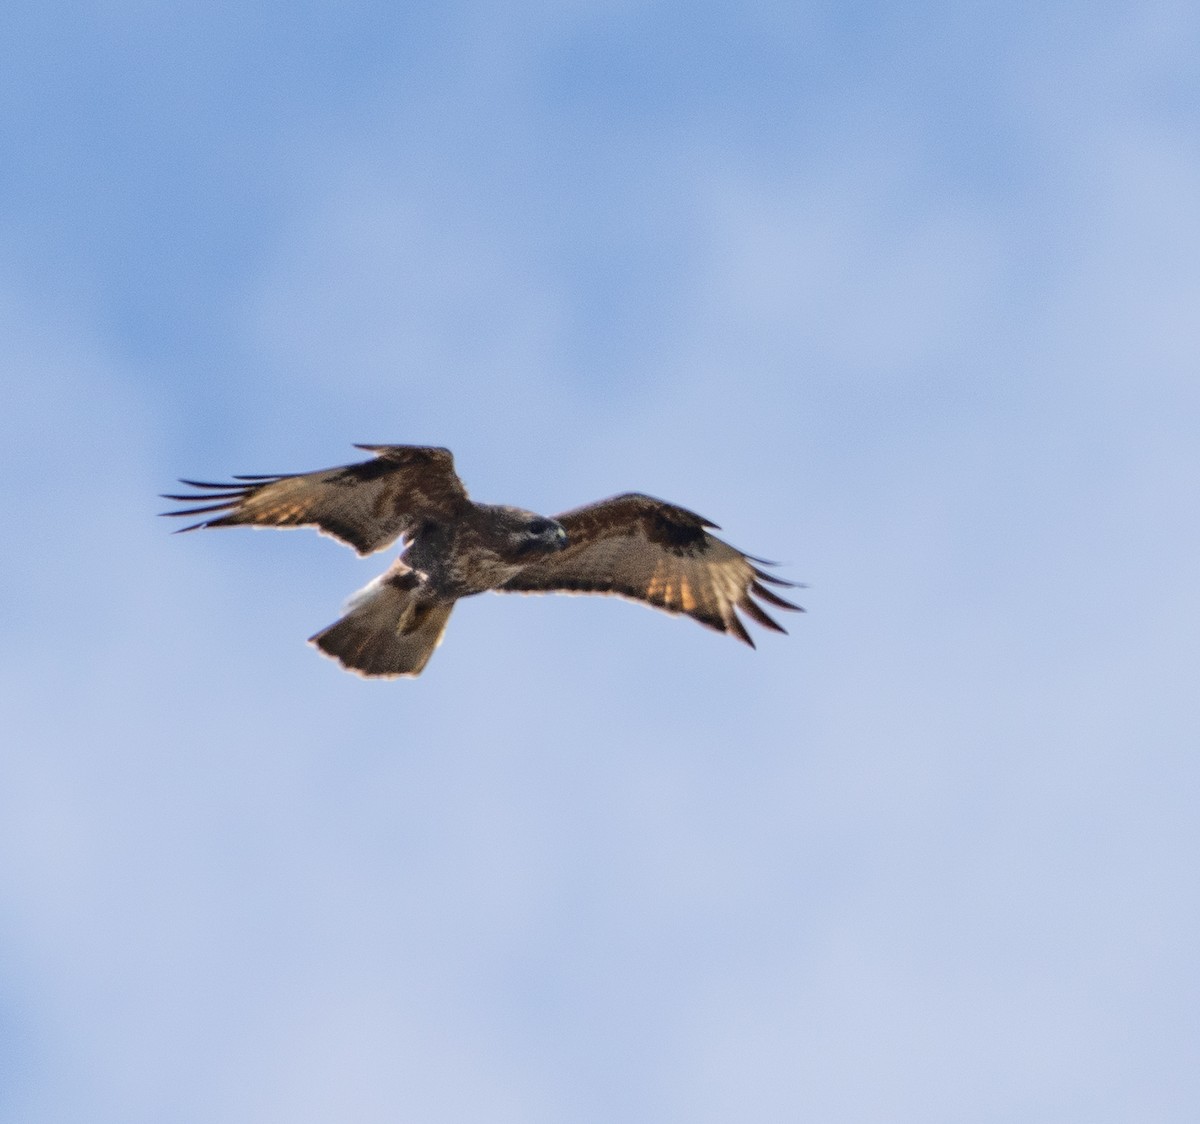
x=632, y=545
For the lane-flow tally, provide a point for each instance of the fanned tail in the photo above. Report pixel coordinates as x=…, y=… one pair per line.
x=389, y=631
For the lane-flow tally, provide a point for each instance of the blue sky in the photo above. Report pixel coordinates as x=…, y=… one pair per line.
x=904, y=296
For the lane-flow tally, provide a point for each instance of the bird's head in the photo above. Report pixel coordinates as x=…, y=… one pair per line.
x=531, y=535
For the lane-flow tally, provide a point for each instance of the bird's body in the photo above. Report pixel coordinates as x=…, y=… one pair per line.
x=480, y=551
x=633, y=546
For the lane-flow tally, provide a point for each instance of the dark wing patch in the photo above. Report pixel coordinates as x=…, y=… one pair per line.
x=651, y=551
x=366, y=505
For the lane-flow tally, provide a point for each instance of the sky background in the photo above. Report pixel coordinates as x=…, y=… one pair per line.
x=906, y=296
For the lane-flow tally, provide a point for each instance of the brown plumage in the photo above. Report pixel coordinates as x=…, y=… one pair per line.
x=633, y=546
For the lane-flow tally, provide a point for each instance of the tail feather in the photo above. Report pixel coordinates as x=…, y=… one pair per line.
x=389, y=630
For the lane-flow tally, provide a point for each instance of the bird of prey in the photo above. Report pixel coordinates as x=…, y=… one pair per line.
x=633, y=546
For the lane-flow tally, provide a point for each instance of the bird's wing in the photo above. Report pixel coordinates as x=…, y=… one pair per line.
x=365, y=505
x=645, y=549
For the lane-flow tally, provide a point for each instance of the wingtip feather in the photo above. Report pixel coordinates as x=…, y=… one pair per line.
x=197, y=510
x=774, y=579
x=761, y=591
x=759, y=615
x=211, y=484
x=739, y=630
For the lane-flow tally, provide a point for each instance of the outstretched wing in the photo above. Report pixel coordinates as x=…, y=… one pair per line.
x=645, y=549
x=366, y=505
